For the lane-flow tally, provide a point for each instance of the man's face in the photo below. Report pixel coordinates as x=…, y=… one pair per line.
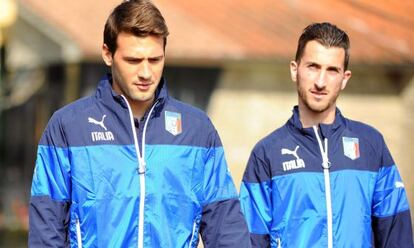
x=319, y=77
x=136, y=67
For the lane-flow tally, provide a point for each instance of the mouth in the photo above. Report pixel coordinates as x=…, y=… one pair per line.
x=143, y=86
x=318, y=94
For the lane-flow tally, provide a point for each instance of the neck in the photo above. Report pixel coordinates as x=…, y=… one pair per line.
x=140, y=108
x=310, y=118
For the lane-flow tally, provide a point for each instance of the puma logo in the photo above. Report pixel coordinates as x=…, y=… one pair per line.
x=289, y=152
x=101, y=136
x=99, y=123
x=297, y=163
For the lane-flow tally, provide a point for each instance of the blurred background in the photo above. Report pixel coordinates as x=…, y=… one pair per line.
x=229, y=58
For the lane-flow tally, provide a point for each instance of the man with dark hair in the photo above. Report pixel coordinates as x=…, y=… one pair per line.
x=131, y=166
x=323, y=180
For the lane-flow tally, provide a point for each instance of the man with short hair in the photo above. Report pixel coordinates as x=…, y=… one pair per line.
x=131, y=166
x=323, y=180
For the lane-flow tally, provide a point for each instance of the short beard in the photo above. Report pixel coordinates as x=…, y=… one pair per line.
x=302, y=94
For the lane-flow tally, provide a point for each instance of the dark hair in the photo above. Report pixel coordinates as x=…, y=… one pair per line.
x=327, y=35
x=139, y=17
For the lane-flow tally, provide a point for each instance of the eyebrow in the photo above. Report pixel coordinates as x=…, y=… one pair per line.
x=312, y=63
x=128, y=57
x=337, y=68
x=157, y=57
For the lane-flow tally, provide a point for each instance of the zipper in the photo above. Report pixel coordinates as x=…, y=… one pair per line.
x=78, y=233
x=326, y=165
x=193, y=233
x=279, y=243
x=141, y=169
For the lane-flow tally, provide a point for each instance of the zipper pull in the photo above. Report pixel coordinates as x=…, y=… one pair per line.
x=142, y=166
x=325, y=163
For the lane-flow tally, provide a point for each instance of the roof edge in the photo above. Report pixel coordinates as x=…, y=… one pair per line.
x=71, y=52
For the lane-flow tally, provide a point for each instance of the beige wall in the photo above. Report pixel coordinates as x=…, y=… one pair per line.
x=406, y=141
x=251, y=100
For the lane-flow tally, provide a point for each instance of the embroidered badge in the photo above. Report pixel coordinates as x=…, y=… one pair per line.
x=351, y=147
x=173, y=122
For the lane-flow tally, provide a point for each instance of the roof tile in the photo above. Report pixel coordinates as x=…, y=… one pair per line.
x=380, y=31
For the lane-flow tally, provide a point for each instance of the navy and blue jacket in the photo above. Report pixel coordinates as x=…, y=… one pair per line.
x=105, y=179
x=326, y=186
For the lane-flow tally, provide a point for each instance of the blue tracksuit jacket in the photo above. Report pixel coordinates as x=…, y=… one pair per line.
x=104, y=179
x=328, y=186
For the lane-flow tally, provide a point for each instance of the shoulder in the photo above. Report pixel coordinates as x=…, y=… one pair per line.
x=73, y=110
x=272, y=140
x=194, y=124
x=258, y=167
x=371, y=142
x=68, y=115
x=365, y=131
x=189, y=113
x=265, y=149
x=187, y=109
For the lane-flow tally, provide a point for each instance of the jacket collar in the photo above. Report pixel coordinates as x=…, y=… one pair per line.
x=108, y=95
x=326, y=130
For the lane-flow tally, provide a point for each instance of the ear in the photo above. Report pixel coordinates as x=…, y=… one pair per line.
x=106, y=55
x=347, y=76
x=293, y=70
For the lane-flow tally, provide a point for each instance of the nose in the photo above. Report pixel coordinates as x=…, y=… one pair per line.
x=144, y=71
x=320, y=82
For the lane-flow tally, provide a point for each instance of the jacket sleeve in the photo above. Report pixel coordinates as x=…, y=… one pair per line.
x=391, y=220
x=222, y=223
x=255, y=199
x=50, y=193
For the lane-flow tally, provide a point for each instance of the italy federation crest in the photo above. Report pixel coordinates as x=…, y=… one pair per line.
x=173, y=122
x=351, y=147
